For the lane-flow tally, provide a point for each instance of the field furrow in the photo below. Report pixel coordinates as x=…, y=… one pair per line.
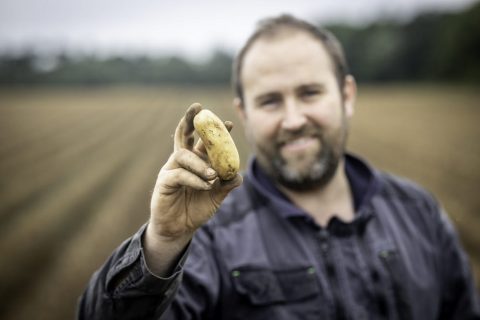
x=32, y=241
x=94, y=239
x=37, y=118
x=20, y=190
x=54, y=143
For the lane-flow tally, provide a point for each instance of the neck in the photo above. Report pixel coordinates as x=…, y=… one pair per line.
x=333, y=199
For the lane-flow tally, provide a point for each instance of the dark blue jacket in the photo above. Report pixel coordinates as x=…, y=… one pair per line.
x=261, y=257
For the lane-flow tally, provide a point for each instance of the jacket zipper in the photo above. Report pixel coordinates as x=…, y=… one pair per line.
x=331, y=275
x=388, y=259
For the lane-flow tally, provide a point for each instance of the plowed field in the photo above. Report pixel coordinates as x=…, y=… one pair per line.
x=77, y=167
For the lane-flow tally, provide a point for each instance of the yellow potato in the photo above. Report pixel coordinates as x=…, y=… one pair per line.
x=219, y=144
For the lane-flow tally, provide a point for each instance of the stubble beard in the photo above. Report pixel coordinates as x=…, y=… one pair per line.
x=316, y=173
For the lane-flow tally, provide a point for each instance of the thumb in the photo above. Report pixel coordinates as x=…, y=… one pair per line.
x=223, y=187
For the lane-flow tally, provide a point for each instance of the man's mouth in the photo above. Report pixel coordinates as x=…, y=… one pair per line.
x=299, y=144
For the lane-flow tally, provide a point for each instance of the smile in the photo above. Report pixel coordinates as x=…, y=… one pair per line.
x=299, y=145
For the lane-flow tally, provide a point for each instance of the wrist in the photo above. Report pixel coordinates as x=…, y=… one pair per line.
x=154, y=240
x=161, y=253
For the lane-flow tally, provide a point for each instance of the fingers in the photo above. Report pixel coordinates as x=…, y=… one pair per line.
x=184, y=131
x=228, y=125
x=229, y=185
x=189, y=168
x=200, y=150
x=194, y=160
x=180, y=177
x=185, y=168
x=191, y=162
x=223, y=187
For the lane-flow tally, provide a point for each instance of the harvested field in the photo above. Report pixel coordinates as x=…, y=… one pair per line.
x=77, y=167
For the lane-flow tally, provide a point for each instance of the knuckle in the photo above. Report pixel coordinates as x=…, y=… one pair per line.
x=181, y=155
x=177, y=174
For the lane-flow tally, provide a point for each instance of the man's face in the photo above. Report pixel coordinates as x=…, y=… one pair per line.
x=293, y=112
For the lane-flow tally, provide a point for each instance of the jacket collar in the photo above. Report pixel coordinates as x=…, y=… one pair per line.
x=363, y=181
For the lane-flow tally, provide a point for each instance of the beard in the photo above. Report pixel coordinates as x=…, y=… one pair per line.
x=307, y=170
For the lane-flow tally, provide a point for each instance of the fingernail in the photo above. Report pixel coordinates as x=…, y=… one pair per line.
x=210, y=172
x=208, y=186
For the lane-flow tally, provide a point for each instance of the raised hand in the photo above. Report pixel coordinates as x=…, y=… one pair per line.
x=187, y=194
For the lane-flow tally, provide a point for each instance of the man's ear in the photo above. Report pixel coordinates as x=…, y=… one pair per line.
x=349, y=95
x=240, y=109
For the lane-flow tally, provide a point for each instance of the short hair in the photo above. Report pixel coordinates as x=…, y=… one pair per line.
x=270, y=27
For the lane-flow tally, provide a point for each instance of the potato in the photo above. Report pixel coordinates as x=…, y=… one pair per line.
x=221, y=149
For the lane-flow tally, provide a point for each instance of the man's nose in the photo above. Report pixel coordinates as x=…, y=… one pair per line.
x=293, y=118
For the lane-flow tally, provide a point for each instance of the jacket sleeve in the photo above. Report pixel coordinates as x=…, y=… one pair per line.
x=198, y=294
x=124, y=288
x=460, y=299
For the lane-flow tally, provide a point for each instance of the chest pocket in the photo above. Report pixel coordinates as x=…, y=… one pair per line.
x=263, y=287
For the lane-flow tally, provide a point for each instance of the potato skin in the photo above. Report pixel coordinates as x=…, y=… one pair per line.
x=221, y=149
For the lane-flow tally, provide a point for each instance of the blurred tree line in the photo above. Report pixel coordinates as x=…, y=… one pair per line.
x=431, y=47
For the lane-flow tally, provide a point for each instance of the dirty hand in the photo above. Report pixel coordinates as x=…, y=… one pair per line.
x=188, y=191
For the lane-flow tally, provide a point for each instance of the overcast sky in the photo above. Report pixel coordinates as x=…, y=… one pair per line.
x=188, y=27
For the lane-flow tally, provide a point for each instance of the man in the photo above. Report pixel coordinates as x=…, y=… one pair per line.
x=311, y=233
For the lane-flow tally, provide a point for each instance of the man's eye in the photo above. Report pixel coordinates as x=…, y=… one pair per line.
x=269, y=102
x=310, y=93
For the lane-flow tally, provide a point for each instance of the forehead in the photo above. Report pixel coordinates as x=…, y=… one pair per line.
x=294, y=56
